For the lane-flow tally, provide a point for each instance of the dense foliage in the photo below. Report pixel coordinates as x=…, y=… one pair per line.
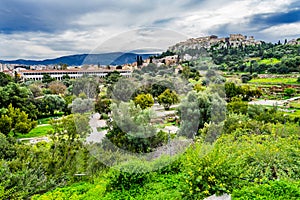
x=248, y=151
x=267, y=57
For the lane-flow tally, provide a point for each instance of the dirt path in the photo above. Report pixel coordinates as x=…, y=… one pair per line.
x=273, y=102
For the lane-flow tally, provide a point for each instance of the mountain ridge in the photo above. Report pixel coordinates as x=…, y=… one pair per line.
x=114, y=58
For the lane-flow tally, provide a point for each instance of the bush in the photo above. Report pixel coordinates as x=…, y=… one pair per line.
x=128, y=176
x=254, y=75
x=104, y=116
x=289, y=91
x=273, y=190
x=245, y=78
x=234, y=162
x=237, y=106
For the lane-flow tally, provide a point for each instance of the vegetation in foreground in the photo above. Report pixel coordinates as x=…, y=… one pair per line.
x=249, y=151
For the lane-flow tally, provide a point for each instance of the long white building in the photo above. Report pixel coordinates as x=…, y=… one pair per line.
x=58, y=74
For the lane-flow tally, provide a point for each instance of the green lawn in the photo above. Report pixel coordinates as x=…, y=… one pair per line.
x=38, y=131
x=44, y=120
x=270, y=61
x=295, y=114
x=274, y=80
x=47, y=119
x=295, y=104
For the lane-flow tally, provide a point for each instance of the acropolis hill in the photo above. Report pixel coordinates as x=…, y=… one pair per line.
x=233, y=40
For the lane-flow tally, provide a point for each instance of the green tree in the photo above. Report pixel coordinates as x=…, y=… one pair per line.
x=198, y=87
x=237, y=106
x=5, y=79
x=158, y=88
x=168, y=98
x=186, y=72
x=7, y=148
x=80, y=105
x=144, y=100
x=131, y=129
x=231, y=90
x=66, y=80
x=36, y=90
x=47, y=79
x=245, y=78
x=122, y=90
x=103, y=106
x=5, y=124
x=57, y=87
x=87, y=85
x=112, y=77
x=16, y=120
x=52, y=103
x=19, y=97
x=289, y=91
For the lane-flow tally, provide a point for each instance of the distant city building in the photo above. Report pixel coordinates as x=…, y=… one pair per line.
x=37, y=75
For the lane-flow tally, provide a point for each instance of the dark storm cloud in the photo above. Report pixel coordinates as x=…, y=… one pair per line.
x=274, y=19
x=19, y=16
x=256, y=24
x=54, y=27
x=52, y=16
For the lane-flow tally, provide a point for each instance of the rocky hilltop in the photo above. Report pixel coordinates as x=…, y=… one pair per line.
x=234, y=40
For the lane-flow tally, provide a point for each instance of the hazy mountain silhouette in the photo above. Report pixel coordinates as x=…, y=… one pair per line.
x=116, y=58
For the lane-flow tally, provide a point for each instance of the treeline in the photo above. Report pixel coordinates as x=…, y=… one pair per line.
x=245, y=58
x=233, y=147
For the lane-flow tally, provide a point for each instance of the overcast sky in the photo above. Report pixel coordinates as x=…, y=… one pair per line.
x=38, y=29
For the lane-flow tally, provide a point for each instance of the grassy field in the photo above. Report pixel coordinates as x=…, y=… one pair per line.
x=38, y=131
x=295, y=104
x=47, y=119
x=274, y=81
x=295, y=114
x=270, y=61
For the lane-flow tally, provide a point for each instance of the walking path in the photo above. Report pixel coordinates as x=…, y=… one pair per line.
x=273, y=102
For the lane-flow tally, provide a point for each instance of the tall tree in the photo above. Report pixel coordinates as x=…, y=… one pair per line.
x=52, y=103
x=168, y=98
x=4, y=79
x=19, y=97
x=16, y=120
x=47, y=79
x=57, y=87
x=144, y=100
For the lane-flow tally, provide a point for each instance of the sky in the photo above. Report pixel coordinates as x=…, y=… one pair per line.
x=40, y=29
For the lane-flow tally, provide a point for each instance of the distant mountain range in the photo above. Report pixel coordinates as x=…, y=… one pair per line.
x=116, y=58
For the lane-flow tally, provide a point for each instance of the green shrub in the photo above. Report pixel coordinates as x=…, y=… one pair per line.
x=233, y=162
x=104, y=116
x=289, y=91
x=129, y=175
x=272, y=190
x=76, y=191
x=237, y=106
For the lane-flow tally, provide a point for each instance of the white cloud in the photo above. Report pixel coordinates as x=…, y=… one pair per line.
x=91, y=23
x=284, y=30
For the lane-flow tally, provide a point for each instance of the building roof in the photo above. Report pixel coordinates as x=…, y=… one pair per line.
x=69, y=71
